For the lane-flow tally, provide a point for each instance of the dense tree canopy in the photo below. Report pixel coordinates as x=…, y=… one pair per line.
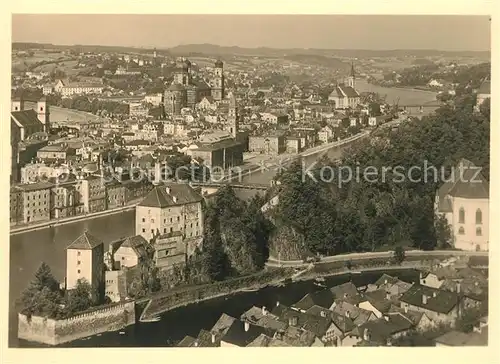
x=330, y=213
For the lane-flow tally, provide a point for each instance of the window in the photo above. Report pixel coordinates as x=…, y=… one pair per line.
x=152, y=231
x=152, y=221
x=171, y=229
x=165, y=230
x=78, y=253
x=143, y=220
x=479, y=217
x=461, y=216
x=78, y=271
x=78, y=262
x=461, y=231
x=123, y=258
x=479, y=231
x=143, y=230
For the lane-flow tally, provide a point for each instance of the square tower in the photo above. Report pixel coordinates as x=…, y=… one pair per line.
x=85, y=260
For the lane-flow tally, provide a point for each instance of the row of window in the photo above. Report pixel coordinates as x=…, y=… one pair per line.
x=479, y=231
x=461, y=216
x=171, y=230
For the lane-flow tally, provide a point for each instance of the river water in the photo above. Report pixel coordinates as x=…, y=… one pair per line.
x=189, y=320
x=28, y=250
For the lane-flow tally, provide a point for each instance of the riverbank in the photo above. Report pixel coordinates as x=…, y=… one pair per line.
x=358, y=263
x=67, y=220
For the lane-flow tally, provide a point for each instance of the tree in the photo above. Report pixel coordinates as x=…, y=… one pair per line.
x=42, y=296
x=484, y=108
x=80, y=298
x=399, y=255
x=443, y=233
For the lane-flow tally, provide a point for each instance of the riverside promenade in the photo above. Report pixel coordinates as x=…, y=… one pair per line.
x=18, y=229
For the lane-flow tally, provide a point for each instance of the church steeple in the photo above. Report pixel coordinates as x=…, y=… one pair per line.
x=352, y=77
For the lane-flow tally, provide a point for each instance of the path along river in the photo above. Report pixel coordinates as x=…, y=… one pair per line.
x=28, y=250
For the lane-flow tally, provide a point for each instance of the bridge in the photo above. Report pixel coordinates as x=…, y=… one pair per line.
x=244, y=186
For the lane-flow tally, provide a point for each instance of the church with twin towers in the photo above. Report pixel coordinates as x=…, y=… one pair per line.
x=187, y=91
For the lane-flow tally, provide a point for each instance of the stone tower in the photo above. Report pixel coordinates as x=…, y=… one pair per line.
x=182, y=75
x=175, y=99
x=351, y=79
x=17, y=104
x=233, y=116
x=218, y=81
x=42, y=111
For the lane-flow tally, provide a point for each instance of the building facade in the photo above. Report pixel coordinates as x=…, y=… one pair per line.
x=170, y=208
x=85, y=260
x=464, y=202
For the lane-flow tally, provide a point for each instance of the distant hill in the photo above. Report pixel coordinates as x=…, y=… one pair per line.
x=318, y=60
x=20, y=46
x=211, y=49
x=216, y=50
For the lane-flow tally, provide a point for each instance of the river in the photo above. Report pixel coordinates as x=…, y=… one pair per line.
x=189, y=320
x=405, y=96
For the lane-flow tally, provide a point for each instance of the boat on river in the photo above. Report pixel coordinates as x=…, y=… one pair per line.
x=151, y=319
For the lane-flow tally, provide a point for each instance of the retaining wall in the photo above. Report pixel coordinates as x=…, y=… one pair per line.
x=55, y=332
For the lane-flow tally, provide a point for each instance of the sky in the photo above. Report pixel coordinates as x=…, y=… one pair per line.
x=469, y=33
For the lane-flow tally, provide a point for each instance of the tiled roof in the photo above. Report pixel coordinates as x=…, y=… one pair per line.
x=444, y=301
x=35, y=186
x=187, y=342
x=85, y=241
x=322, y=298
x=27, y=118
x=457, y=338
x=383, y=328
x=237, y=335
x=345, y=290
x=466, y=184
x=261, y=341
x=485, y=88
x=159, y=197
x=222, y=325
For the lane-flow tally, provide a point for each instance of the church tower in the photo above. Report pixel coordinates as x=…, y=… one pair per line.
x=218, y=81
x=233, y=116
x=17, y=104
x=42, y=111
x=351, y=79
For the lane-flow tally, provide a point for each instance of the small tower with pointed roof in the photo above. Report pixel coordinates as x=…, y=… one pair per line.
x=42, y=111
x=85, y=260
x=232, y=118
x=352, y=77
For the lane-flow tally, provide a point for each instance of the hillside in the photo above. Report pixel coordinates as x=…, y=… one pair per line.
x=351, y=53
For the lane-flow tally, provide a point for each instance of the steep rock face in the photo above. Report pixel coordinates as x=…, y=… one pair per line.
x=286, y=244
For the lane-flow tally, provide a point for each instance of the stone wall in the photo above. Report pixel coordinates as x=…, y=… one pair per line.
x=54, y=332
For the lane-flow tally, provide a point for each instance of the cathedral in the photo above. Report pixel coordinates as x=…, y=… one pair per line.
x=186, y=91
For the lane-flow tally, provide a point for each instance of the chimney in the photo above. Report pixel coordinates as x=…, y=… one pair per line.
x=434, y=294
x=264, y=311
x=174, y=198
x=386, y=318
x=196, y=343
x=387, y=295
x=213, y=338
x=247, y=326
x=277, y=303
x=323, y=314
x=292, y=321
x=458, y=287
x=385, y=281
x=168, y=190
x=366, y=335
x=424, y=299
x=347, y=314
x=406, y=309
